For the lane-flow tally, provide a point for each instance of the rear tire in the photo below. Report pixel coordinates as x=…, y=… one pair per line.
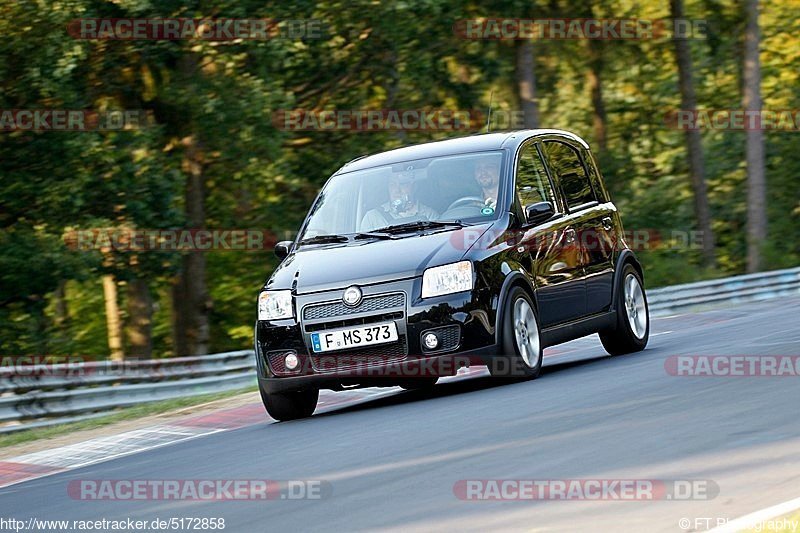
x=521, y=338
x=632, y=330
x=284, y=406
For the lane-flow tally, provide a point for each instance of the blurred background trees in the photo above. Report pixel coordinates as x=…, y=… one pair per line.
x=210, y=156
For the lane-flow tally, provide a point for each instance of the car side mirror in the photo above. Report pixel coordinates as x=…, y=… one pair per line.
x=539, y=212
x=283, y=248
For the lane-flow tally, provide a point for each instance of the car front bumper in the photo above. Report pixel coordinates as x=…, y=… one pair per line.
x=464, y=322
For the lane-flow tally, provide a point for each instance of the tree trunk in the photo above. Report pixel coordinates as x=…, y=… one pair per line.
x=756, y=179
x=140, y=313
x=191, y=302
x=62, y=310
x=594, y=80
x=693, y=141
x=40, y=326
x=526, y=83
x=112, y=318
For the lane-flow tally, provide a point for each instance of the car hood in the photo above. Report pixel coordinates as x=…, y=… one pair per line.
x=323, y=267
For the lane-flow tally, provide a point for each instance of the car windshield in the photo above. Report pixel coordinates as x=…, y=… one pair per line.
x=462, y=187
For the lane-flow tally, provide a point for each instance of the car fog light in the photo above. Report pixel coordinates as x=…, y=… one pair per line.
x=431, y=341
x=291, y=362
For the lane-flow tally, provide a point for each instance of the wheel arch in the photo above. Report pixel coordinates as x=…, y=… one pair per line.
x=627, y=257
x=515, y=278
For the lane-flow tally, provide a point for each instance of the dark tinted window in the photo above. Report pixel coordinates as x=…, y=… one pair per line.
x=532, y=183
x=565, y=163
x=594, y=176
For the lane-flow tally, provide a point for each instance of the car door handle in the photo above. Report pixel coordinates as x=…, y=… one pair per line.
x=569, y=235
x=607, y=223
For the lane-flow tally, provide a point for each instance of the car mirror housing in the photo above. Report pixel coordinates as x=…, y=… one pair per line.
x=282, y=249
x=539, y=212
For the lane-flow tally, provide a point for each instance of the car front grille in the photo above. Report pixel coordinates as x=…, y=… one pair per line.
x=374, y=308
x=371, y=319
x=369, y=304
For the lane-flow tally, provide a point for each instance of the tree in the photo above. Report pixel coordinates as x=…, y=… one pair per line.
x=594, y=79
x=191, y=302
x=112, y=318
x=526, y=83
x=139, y=326
x=694, y=144
x=756, y=178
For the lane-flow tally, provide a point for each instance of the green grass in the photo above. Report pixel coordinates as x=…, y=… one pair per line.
x=128, y=413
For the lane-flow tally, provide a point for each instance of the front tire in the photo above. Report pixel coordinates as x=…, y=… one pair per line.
x=285, y=406
x=522, y=338
x=632, y=330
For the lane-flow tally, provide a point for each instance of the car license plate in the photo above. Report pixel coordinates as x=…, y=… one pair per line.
x=340, y=339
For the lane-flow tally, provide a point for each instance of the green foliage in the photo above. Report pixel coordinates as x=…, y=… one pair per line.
x=375, y=55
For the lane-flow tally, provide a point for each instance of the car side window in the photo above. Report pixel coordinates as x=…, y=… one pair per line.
x=533, y=185
x=565, y=163
x=594, y=177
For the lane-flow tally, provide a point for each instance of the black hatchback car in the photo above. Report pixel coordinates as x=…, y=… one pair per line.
x=416, y=261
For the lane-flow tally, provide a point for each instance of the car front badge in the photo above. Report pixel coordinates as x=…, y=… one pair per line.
x=352, y=296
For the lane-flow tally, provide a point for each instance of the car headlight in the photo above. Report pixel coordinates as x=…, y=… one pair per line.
x=273, y=305
x=447, y=279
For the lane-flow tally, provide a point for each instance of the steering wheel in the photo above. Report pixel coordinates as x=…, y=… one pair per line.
x=465, y=200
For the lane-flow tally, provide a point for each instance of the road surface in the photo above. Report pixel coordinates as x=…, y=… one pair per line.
x=392, y=462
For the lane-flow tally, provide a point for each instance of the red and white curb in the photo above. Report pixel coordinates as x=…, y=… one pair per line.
x=39, y=464
x=47, y=462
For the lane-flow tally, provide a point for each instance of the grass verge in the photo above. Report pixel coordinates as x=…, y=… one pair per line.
x=784, y=524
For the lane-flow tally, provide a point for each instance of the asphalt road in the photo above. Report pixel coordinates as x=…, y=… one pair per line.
x=392, y=462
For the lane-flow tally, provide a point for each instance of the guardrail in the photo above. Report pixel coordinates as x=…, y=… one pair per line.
x=79, y=391
x=69, y=392
x=731, y=290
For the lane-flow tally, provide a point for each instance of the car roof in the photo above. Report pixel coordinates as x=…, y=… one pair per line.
x=473, y=143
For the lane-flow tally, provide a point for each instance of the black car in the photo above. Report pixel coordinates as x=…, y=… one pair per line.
x=416, y=261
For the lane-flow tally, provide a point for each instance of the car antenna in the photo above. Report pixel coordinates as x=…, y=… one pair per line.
x=489, y=118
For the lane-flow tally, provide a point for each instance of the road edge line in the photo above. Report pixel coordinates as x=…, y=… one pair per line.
x=748, y=520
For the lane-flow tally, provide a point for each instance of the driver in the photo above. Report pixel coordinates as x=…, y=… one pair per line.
x=487, y=174
x=402, y=204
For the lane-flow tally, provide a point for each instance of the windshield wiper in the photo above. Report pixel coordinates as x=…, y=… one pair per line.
x=371, y=235
x=420, y=225
x=322, y=239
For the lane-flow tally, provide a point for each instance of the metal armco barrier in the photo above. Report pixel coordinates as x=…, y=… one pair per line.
x=79, y=391
x=732, y=290
x=69, y=392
